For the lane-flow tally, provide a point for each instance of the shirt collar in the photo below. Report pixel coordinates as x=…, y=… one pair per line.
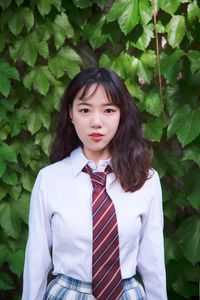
x=79, y=160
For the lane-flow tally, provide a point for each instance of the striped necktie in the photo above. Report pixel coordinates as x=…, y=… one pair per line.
x=106, y=274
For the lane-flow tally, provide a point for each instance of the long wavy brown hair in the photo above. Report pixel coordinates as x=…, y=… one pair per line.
x=131, y=153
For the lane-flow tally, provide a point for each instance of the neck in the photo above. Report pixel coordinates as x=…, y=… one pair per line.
x=96, y=156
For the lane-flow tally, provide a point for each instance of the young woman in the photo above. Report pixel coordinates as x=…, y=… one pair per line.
x=96, y=212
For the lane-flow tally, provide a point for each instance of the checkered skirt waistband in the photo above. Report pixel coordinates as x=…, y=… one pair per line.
x=67, y=288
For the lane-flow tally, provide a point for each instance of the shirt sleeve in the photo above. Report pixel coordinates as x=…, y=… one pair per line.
x=150, y=262
x=37, y=257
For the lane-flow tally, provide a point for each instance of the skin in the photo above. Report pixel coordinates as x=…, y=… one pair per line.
x=96, y=121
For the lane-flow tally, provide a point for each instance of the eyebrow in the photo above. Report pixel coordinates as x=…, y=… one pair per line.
x=88, y=104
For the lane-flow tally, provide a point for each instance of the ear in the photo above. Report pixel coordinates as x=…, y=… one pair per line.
x=70, y=113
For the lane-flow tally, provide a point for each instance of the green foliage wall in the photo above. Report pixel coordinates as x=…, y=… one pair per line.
x=43, y=44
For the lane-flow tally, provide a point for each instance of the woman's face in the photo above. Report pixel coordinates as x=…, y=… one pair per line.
x=96, y=121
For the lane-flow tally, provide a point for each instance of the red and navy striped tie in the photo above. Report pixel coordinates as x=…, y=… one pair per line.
x=106, y=274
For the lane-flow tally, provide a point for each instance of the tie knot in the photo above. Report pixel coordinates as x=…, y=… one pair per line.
x=97, y=178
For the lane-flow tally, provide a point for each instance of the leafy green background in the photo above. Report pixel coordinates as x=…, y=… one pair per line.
x=43, y=44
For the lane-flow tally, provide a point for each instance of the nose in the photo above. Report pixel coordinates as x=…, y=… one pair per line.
x=96, y=121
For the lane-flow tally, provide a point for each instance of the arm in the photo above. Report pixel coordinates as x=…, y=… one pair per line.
x=37, y=258
x=151, y=250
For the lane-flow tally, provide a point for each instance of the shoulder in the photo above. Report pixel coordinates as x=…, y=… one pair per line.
x=152, y=184
x=153, y=176
x=56, y=170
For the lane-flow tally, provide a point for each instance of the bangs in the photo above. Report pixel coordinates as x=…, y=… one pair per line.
x=109, y=88
x=112, y=93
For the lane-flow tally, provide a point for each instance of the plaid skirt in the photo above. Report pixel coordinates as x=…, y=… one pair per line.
x=66, y=288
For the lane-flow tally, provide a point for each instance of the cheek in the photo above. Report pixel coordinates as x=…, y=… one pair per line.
x=80, y=126
x=116, y=123
x=75, y=117
x=79, y=122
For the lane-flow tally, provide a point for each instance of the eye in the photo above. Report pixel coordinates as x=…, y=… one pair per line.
x=109, y=110
x=84, y=110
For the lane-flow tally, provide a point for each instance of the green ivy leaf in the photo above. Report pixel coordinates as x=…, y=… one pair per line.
x=44, y=139
x=135, y=90
x=189, y=238
x=170, y=211
x=3, y=253
x=44, y=6
x=43, y=49
x=28, y=151
x=4, y=84
x=7, y=153
x=144, y=40
x=7, y=72
x=67, y=60
x=144, y=72
x=7, y=104
x=172, y=251
x=41, y=79
x=93, y=32
x=37, y=165
x=15, y=125
x=194, y=57
x=37, y=119
x=19, y=2
x=51, y=101
x=2, y=168
x=181, y=286
x=9, y=177
x=45, y=30
x=21, y=17
x=23, y=114
x=16, y=262
x=122, y=65
x=62, y=29
x=152, y=103
x=126, y=11
x=193, y=11
x=160, y=27
x=4, y=4
x=185, y=123
x=26, y=49
x=3, y=113
x=145, y=10
x=148, y=58
x=192, y=187
x=27, y=180
x=176, y=30
x=14, y=192
x=171, y=65
x=169, y=6
x=192, y=153
x=166, y=162
x=5, y=281
x=179, y=198
x=13, y=244
x=22, y=207
x=45, y=118
x=3, y=192
x=3, y=40
x=83, y=3
x=154, y=129
x=34, y=123
x=194, y=198
x=4, y=132
x=9, y=220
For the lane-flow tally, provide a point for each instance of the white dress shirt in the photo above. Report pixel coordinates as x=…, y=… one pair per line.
x=60, y=228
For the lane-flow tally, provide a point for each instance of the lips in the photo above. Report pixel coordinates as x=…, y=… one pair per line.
x=96, y=136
